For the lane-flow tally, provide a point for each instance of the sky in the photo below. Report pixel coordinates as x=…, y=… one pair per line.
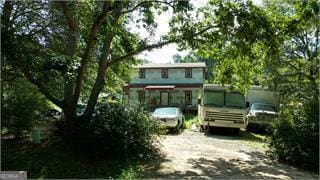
x=164, y=54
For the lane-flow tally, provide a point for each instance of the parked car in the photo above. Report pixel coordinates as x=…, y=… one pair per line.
x=53, y=113
x=262, y=113
x=171, y=117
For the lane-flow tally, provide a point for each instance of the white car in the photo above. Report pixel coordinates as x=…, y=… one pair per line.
x=170, y=117
x=262, y=113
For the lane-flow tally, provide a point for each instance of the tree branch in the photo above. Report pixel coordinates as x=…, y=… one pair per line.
x=90, y=44
x=156, y=45
x=42, y=89
x=146, y=2
x=99, y=82
x=70, y=20
x=137, y=51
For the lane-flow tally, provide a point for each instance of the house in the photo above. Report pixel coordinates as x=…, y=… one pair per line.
x=161, y=85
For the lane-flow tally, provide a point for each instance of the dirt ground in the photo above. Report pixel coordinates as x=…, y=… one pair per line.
x=195, y=155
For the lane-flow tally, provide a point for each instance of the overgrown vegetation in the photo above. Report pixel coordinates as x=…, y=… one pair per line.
x=295, y=137
x=71, y=50
x=191, y=119
x=117, y=129
x=21, y=106
x=117, y=140
x=47, y=161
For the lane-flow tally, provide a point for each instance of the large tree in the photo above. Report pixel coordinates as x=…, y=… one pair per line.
x=57, y=46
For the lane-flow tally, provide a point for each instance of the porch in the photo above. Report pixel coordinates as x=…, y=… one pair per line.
x=165, y=96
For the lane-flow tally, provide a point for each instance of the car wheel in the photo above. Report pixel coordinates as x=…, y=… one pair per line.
x=183, y=126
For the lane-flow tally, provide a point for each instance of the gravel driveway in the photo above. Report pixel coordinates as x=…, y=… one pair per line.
x=195, y=155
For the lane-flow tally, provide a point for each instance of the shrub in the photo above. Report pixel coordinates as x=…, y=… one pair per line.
x=21, y=107
x=295, y=137
x=118, y=129
x=190, y=120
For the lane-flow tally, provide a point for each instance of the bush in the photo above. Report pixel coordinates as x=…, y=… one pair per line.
x=118, y=129
x=295, y=137
x=191, y=119
x=22, y=104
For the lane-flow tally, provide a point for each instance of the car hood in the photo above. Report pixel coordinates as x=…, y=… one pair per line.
x=255, y=112
x=164, y=116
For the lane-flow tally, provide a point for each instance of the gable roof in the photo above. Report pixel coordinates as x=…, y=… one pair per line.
x=173, y=65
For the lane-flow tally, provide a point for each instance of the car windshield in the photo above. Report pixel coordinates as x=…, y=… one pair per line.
x=166, y=111
x=215, y=98
x=264, y=107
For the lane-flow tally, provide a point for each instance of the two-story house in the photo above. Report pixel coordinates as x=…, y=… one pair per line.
x=161, y=85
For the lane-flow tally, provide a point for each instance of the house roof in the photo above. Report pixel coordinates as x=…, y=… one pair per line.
x=173, y=65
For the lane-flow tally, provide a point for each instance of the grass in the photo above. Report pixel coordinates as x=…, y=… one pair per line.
x=56, y=161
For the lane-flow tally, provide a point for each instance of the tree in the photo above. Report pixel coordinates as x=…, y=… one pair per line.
x=193, y=57
x=296, y=75
x=56, y=44
x=276, y=45
x=189, y=58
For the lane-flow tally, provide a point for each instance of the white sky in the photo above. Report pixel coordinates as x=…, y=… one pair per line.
x=164, y=54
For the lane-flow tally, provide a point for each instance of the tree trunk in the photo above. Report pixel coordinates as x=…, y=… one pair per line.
x=5, y=34
x=97, y=88
x=70, y=117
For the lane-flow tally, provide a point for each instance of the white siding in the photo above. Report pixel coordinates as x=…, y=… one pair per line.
x=176, y=76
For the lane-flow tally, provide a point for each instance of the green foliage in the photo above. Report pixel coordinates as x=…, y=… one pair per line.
x=71, y=50
x=295, y=135
x=22, y=105
x=130, y=173
x=57, y=161
x=228, y=32
x=118, y=129
x=295, y=138
x=191, y=119
x=194, y=57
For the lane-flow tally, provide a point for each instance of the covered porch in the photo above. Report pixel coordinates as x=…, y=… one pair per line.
x=171, y=96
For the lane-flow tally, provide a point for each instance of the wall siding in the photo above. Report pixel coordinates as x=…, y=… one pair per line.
x=176, y=76
x=177, y=95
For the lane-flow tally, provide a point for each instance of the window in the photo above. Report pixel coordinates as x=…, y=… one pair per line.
x=188, y=97
x=142, y=73
x=164, y=73
x=141, y=97
x=188, y=73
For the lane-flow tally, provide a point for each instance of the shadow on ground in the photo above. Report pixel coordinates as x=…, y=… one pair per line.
x=259, y=167
x=230, y=134
x=250, y=164
x=55, y=161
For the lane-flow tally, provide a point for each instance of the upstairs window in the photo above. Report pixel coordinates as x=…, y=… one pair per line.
x=188, y=97
x=164, y=73
x=142, y=73
x=141, y=97
x=188, y=73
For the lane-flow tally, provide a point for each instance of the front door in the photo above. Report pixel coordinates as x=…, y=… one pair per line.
x=164, y=98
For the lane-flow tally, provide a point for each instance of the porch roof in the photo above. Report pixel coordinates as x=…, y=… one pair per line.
x=159, y=87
